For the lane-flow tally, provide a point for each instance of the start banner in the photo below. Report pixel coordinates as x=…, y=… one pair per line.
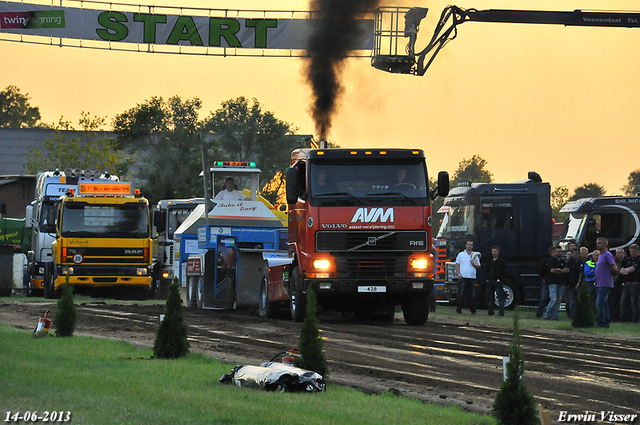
x=205, y=28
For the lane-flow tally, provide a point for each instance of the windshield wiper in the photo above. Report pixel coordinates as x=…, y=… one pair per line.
x=339, y=194
x=392, y=194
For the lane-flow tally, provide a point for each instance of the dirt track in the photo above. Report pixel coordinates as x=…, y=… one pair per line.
x=443, y=362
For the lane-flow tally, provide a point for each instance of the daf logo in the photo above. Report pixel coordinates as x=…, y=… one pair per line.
x=372, y=215
x=133, y=251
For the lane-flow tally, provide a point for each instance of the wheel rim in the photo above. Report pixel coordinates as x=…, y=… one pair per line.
x=508, y=296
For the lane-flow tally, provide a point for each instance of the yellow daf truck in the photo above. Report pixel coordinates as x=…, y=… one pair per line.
x=103, y=242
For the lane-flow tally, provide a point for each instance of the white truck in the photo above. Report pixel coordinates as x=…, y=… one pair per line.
x=168, y=215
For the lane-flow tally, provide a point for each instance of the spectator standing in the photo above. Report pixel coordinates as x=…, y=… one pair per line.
x=589, y=272
x=467, y=262
x=558, y=272
x=606, y=271
x=544, y=287
x=496, y=272
x=616, y=292
x=630, y=272
x=570, y=291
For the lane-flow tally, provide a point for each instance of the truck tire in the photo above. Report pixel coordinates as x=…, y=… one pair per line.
x=297, y=297
x=416, y=309
x=191, y=292
x=265, y=308
x=47, y=280
x=199, y=301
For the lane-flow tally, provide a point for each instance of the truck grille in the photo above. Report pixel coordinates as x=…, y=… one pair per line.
x=107, y=255
x=359, y=267
x=371, y=241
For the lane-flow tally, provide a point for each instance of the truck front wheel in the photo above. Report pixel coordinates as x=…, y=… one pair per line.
x=199, y=296
x=297, y=297
x=416, y=309
x=265, y=308
x=47, y=282
x=191, y=291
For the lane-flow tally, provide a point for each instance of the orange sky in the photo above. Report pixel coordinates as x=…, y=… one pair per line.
x=561, y=101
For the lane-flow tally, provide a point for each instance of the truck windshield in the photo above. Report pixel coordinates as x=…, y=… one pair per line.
x=129, y=220
x=176, y=217
x=457, y=221
x=346, y=182
x=573, y=226
x=45, y=226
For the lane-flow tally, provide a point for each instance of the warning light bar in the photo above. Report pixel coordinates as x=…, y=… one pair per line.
x=233, y=164
x=87, y=189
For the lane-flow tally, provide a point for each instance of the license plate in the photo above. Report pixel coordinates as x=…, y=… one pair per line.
x=372, y=289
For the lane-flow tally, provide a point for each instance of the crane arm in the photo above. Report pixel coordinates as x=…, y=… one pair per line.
x=452, y=16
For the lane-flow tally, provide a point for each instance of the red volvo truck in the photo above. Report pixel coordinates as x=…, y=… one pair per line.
x=359, y=234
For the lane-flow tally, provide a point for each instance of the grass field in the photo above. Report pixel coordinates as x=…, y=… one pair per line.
x=110, y=382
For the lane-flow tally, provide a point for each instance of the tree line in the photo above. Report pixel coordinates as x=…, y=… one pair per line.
x=158, y=146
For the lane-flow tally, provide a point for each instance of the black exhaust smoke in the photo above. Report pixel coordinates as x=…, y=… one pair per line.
x=334, y=32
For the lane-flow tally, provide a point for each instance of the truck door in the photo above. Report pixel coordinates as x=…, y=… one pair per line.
x=498, y=226
x=225, y=276
x=616, y=223
x=219, y=286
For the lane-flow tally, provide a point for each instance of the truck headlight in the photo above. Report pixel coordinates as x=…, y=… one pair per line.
x=321, y=264
x=142, y=271
x=67, y=270
x=323, y=268
x=420, y=265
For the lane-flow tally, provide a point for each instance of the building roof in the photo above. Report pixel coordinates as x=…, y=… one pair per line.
x=15, y=143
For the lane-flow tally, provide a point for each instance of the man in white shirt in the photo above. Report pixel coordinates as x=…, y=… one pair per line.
x=229, y=193
x=467, y=262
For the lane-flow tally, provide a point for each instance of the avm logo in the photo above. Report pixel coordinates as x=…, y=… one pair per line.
x=372, y=215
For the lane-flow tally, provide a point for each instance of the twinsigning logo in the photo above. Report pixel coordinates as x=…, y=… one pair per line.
x=32, y=20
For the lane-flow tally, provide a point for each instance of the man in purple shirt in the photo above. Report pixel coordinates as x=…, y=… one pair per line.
x=606, y=271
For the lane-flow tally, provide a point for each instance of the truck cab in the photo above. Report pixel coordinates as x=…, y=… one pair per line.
x=103, y=241
x=40, y=218
x=360, y=231
x=168, y=216
x=613, y=217
x=514, y=216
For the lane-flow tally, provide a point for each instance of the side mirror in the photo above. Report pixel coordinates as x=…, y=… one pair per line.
x=50, y=227
x=28, y=216
x=292, y=185
x=443, y=185
x=158, y=220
